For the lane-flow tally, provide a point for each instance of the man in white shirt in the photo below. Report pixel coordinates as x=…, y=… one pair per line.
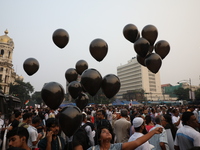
x=176, y=119
x=187, y=137
x=34, y=136
x=139, y=126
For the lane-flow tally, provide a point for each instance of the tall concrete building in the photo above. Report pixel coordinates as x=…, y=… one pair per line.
x=7, y=73
x=134, y=76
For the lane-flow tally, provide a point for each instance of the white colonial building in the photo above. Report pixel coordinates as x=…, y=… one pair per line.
x=134, y=76
x=7, y=73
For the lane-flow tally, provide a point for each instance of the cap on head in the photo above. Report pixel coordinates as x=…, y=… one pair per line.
x=137, y=122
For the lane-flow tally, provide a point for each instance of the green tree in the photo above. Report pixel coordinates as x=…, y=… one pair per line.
x=182, y=94
x=37, y=97
x=197, y=94
x=100, y=98
x=22, y=90
x=137, y=94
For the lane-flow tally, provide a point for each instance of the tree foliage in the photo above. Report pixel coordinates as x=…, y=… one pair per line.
x=99, y=98
x=21, y=89
x=134, y=95
x=197, y=94
x=182, y=94
x=37, y=97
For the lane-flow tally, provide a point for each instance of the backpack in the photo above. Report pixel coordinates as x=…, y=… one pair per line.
x=79, y=138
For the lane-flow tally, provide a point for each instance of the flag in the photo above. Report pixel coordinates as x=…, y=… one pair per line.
x=26, y=102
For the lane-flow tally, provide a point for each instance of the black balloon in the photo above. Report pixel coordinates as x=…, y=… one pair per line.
x=52, y=94
x=91, y=81
x=60, y=38
x=70, y=119
x=162, y=48
x=82, y=101
x=110, y=85
x=74, y=89
x=81, y=66
x=131, y=33
x=150, y=33
x=142, y=47
x=71, y=75
x=98, y=49
x=31, y=66
x=153, y=62
x=141, y=60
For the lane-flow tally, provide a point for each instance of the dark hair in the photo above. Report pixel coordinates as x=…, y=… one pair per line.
x=102, y=111
x=168, y=118
x=20, y=131
x=174, y=111
x=148, y=119
x=186, y=116
x=83, y=116
x=124, y=112
x=158, y=119
x=26, y=116
x=17, y=114
x=36, y=120
x=50, y=122
x=98, y=134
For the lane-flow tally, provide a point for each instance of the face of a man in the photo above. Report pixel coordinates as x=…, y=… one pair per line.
x=55, y=129
x=16, y=141
x=163, y=122
x=193, y=122
x=99, y=115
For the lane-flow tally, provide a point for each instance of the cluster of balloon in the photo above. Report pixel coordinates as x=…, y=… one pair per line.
x=74, y=89
x=52, y=94
x=144, y=46
x=60, y=38
x=70, y=119
x=91, y=81
x=110, y=85
x=71, y=75
x=98, y=49
x=31, y=66
x=81, y=66
x=82, y=101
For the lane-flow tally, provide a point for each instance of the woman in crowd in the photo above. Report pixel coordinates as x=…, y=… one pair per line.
x=104, y=136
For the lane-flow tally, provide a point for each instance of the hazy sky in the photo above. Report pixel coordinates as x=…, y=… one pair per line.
x=32, y=23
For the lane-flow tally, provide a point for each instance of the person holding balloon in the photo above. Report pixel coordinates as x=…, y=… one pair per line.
x=104, y=135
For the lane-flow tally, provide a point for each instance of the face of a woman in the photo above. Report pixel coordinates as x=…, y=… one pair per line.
x=105, y=135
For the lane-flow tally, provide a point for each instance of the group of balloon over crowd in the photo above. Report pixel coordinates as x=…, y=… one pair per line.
x=90, y=79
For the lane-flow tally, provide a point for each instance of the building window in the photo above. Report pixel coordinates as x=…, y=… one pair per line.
x=2, y=52
x=1, y=69
x=0, y=77
x=9, y=55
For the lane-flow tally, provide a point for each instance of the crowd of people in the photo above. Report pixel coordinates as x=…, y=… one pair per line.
x=105, y=127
